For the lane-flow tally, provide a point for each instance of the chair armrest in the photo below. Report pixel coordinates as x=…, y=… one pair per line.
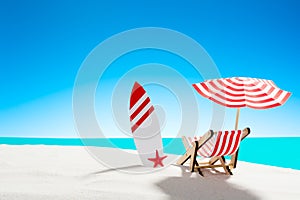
x=245, y=132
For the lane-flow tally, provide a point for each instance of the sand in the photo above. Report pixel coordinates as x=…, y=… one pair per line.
x=61, y=172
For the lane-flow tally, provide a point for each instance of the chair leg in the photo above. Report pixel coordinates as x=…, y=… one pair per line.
x=183, y=159
x=185, y=156
x=226, y=168
x=193, y=161
x=197, y=164
x=234, y=159
x=200, y=172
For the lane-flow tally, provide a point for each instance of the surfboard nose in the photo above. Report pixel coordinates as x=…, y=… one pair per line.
x=136, y=85
x=136, y=93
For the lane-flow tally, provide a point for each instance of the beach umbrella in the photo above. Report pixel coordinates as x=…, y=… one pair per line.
x=239, y=92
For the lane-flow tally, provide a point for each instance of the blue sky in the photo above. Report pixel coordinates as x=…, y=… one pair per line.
x=43, y=44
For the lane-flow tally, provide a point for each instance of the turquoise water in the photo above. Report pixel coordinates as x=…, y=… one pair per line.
x=281, y=152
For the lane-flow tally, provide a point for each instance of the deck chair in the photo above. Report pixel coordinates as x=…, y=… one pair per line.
x=213, y=145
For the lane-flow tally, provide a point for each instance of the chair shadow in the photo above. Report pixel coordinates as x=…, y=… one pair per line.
x=213, y=186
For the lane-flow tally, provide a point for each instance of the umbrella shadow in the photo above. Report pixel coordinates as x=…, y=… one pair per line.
x=213, y=186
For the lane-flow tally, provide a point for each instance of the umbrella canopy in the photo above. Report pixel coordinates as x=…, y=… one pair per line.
x=238, y=92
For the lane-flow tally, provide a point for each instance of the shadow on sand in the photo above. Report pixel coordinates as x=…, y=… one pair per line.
x=193, y=186
x=117, y=169
x=120, y=169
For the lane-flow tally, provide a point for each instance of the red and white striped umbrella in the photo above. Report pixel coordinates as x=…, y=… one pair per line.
x=238, y=92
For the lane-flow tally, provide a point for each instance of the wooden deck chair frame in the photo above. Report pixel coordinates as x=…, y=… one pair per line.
x=191, y=153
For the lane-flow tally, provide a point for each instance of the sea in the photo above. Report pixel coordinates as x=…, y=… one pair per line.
x=274, y=151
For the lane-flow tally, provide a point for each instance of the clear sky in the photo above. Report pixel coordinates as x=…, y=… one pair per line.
x=43, y=44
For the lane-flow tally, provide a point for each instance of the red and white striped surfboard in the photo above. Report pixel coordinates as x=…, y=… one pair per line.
x=144, y=126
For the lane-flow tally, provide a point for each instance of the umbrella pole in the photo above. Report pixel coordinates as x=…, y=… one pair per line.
x=237, y=119
x=233, y=160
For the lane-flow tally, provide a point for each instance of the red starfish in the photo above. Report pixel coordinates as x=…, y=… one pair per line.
x=157, y=160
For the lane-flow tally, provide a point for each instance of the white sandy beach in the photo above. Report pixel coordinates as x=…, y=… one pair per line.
x=60, y=172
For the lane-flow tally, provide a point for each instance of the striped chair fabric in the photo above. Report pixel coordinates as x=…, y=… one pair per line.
x=222, y=143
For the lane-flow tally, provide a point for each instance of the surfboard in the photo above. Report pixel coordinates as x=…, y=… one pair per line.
x=145, y=127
